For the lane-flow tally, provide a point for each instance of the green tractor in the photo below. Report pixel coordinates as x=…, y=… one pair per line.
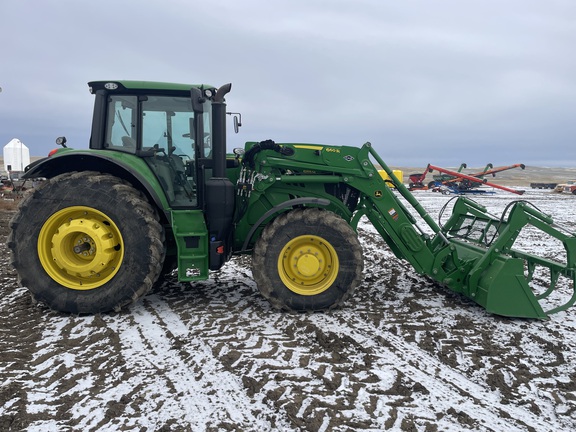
x=157, y=191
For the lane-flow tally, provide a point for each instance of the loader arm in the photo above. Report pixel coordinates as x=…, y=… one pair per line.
x=471, y=254
x=312, y=167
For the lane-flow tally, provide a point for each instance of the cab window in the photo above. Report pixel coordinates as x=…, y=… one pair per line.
x=121, y=126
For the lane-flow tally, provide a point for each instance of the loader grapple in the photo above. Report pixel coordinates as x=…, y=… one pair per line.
x=506, y=280
x=475, y=253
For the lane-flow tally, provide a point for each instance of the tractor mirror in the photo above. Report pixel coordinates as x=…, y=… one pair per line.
x=197, y=99
x=237, y=120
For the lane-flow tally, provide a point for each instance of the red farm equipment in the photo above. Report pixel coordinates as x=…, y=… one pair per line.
x=457, y=182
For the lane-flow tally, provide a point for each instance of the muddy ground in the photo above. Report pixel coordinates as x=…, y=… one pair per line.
x=403, y=354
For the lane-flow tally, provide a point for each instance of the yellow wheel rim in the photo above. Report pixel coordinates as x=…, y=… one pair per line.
x=308, y=265
x=80, y=248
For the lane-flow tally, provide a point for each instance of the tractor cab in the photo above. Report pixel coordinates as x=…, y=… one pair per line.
x=179, y=131
x=171, y=132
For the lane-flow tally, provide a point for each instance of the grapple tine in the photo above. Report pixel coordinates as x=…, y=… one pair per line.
x=568, y=304
x=553, y=280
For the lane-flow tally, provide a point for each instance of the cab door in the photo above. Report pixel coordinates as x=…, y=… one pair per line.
x=167, y=134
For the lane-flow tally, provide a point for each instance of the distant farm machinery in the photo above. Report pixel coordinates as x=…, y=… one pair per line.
x=449, y=181
x=11, y=184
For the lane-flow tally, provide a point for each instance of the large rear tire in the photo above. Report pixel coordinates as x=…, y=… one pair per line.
x=307, y=260
x=86, y=242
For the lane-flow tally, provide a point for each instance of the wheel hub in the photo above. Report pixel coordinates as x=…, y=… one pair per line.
x=308, y=265
x=80, y=248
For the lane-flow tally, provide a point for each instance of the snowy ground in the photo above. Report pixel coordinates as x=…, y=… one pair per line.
x=403, y=354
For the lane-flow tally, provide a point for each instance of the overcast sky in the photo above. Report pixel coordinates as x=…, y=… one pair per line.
x=425, y=81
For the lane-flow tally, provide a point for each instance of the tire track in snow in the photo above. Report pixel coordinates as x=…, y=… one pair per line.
x=286, y=362
x=161, y=377
x=551, y=418
x=164, y=354
x=449, y=387
x=281, y=356
x=64, y=366
x=279, y=367
x=17, y=349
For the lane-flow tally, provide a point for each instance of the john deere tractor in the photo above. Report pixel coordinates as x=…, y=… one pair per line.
x=156, y=191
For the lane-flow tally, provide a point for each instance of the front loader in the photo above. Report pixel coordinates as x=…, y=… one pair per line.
x=156, y=191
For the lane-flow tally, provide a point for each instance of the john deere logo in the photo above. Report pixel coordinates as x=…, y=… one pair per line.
x=378, y=193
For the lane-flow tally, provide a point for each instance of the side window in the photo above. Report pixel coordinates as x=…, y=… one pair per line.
x=121, y=127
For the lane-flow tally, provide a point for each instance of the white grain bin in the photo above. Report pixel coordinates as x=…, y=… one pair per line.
x=16, y=155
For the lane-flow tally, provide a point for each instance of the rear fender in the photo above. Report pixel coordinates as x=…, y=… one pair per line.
x=125, y=166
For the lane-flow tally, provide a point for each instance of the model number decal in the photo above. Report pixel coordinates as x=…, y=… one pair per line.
x=332, y=150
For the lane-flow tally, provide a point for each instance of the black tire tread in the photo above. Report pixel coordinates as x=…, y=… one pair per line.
x=311, y=216
x=126, y=193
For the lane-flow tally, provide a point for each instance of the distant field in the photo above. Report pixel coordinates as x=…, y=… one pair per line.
x=514, y=177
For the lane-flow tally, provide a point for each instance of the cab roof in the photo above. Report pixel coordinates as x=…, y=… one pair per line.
x=112, y=85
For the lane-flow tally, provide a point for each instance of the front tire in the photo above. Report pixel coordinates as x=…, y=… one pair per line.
x=86, y=242
x=307, y=260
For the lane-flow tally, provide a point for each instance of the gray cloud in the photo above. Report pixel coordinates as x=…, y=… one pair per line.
x=425, y=81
